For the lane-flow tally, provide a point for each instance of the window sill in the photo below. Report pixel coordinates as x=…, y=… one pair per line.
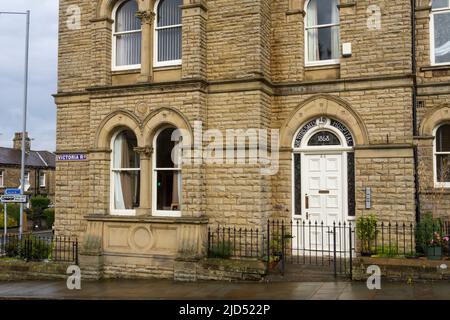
x=322, y=66
x=148, y=219
x=435, y=68
x=128, y=71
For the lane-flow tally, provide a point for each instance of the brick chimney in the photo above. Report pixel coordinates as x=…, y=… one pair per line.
x=17, y=142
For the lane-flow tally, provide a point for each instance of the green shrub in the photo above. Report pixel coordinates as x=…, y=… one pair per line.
x=13, y=211
x=11, y=221
x=221, y=250
x=49, y=216
x=30, y=248
x=366, y=231
x=39, y=204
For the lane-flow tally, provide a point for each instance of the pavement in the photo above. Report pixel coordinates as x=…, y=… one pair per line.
x=170, y=290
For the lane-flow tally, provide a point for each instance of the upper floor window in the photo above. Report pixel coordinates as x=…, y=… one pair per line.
x=322, y=32
x=126, y=36
x=168, y=33
x=125, y=174
x=440, y=32
x=42, y=179
x=2, y=178
x=442, y=156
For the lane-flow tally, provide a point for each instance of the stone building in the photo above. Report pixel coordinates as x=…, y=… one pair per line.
x=356, y=89
x=39, y=169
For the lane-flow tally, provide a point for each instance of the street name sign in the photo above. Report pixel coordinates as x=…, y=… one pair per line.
x=13, y=198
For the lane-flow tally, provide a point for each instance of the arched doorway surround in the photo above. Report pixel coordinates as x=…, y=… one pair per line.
x=323, y=168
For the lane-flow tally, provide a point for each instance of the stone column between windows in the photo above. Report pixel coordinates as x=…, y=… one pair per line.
x=146, y=180
x=147, y=19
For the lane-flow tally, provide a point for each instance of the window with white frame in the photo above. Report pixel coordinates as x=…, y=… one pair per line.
x=126, y=36
x=27, y=178
x=322, y=32
x=2, y=178
x=42, y=179
x=168, y=33
x=166, y=174
x=125, y=174
x=442, y=155
x=440, y=32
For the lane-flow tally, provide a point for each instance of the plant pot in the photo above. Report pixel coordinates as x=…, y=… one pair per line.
x=434, y=253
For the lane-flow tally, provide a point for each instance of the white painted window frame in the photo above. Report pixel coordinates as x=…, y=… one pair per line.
x=319, y=62
x=112, y=210
x=2, y=178
x=157, y=63
x=305, y=149
x=432, y=43
x=114, y=41
x=155, y=211
x=43, y=182
x=27, y=177
x=438, y=184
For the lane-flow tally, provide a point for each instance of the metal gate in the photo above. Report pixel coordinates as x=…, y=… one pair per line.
x=330, y=247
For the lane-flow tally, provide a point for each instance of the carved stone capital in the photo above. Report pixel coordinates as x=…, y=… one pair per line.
x=145, y=152
x=146, y=17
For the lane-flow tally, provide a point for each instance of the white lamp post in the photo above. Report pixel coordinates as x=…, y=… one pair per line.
x=25, y=101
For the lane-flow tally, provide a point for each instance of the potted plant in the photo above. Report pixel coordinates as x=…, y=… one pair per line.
x=434, y=249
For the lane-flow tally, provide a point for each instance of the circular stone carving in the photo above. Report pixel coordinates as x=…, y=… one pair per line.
x=141, y=238
x=141, y=109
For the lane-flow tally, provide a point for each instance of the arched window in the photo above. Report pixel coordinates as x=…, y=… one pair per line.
x=168, y=33
x=125, y=174
x=440, y=32
x=166, y=174
x=442, y=155
x=322, y=32
x=126, y=36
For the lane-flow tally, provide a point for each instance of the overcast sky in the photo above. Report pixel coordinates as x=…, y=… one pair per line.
x=42, y=75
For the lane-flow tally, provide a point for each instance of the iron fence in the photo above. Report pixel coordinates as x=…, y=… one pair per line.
x=404, y=240
x=311, y=243
x=39, y=248
x=234, y=242
x=331, y=246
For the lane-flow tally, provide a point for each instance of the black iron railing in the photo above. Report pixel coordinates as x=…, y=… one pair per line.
x=39, y=248
x=311, y=243
x=402, y=240
x=235, y=242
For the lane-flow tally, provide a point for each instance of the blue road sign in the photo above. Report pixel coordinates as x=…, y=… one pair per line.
x=10, y=192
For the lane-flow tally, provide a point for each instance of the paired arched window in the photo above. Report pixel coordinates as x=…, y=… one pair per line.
x=125, y=174
x=322, y=32
x=440, y=32
x=168, y=32
x=166, y=173
x=126, y=36
x=442, y=155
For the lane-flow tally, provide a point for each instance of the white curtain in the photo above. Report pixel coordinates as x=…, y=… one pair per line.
x=128, y=45
x=313, y=34
x=169, y=38
x=119, y=202
x=335, y=49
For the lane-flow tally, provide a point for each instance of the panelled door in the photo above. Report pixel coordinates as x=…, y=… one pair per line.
x=322, y=194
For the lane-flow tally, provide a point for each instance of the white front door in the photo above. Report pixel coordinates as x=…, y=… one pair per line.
x=322, y=188
x=322, y=198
